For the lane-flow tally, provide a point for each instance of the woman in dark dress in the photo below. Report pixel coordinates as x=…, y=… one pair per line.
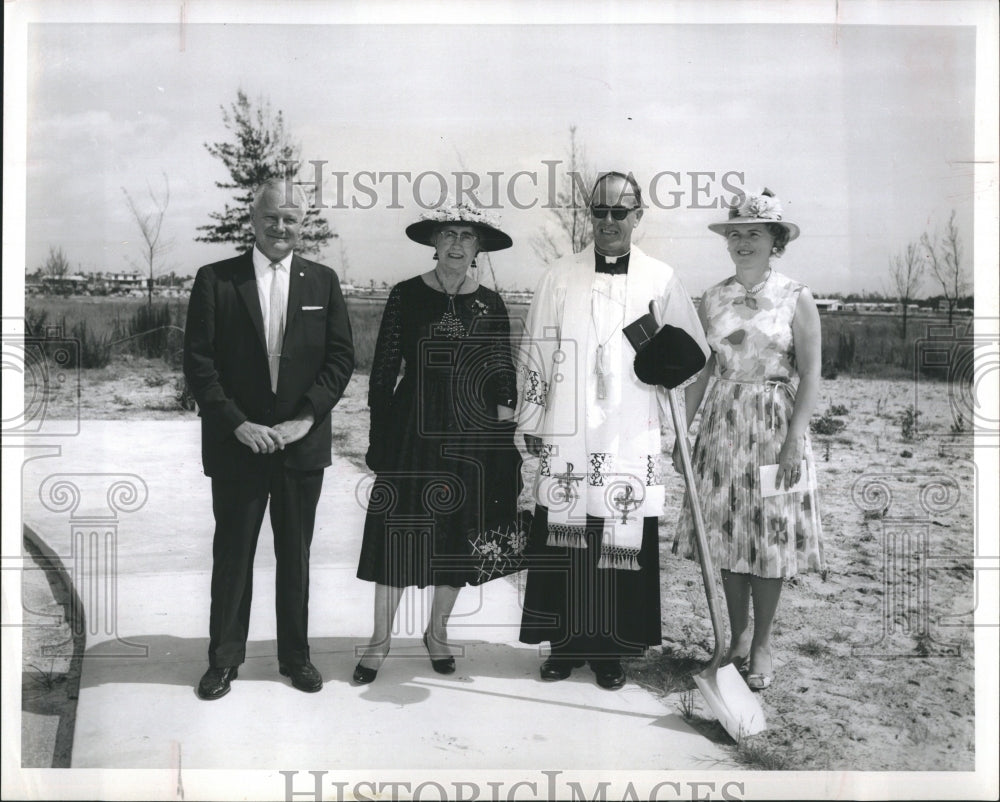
x=442, y=511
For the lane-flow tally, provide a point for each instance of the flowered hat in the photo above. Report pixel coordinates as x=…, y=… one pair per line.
x=762, y=208
x=491, y=238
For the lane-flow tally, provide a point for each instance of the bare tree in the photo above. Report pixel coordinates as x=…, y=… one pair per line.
x=150, y=224
x=570, y=223
x=945, y=258
x=56, y=264
x=907, y=273
x=484, y=255
x=546, y=246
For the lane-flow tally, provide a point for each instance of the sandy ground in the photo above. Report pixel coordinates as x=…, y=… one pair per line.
x=874, y=664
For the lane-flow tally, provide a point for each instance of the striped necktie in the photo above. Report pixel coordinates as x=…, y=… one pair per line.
x=275, y=326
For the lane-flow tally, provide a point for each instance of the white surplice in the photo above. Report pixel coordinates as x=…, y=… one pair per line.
x=599, y=425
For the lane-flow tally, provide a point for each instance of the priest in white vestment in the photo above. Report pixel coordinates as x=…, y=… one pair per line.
x=593, y=580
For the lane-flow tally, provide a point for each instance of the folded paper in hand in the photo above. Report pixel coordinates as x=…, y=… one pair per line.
x=768, y=473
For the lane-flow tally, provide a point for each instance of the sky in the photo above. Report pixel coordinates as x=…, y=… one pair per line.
x=866, y=133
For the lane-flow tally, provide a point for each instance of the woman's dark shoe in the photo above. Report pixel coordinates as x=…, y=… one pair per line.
x=362, y=675
x=215, y=682
x=443, y=665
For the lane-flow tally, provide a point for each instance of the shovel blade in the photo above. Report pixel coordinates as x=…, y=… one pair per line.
x=732, y=702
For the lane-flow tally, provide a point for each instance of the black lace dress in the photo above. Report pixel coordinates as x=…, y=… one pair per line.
x=442, y=510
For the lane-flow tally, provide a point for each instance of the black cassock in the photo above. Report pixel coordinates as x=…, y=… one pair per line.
x=586, y=611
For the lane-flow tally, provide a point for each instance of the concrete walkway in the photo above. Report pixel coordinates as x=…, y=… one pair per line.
x=126, y=507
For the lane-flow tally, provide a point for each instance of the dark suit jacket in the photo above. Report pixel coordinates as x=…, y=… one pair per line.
x=226, y=367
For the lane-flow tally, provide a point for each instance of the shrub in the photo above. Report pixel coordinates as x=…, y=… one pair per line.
x=864, y=345
x=94, y=349
x=182, y=395
x=34, y=321
x=827, y=424
x=907, y=420
x=846, y=349
x=151, y=332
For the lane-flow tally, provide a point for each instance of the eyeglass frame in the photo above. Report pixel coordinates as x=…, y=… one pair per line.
x=465, y=237
x=616, y=212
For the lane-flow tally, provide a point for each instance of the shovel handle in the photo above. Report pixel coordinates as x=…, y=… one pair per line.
x=704, y=557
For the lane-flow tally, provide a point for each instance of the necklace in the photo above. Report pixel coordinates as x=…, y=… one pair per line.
x=758, y=287
x=749, y=300
x=458, y=289
x=450, y=325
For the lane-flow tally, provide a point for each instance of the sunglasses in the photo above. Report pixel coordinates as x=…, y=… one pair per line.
x=617, y=212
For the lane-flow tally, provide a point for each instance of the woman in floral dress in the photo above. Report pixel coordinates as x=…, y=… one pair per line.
x=764, y=331
x=442, y=511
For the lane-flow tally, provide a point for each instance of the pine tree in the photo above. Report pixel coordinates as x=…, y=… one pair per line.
x=260, y=149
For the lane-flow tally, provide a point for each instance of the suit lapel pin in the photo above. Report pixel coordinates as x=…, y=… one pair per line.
x=301, y=274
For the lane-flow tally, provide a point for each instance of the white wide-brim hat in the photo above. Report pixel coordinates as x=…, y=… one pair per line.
x=762, y=208
x=491, y=237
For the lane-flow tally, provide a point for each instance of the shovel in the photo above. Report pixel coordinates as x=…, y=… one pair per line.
x=722, y=687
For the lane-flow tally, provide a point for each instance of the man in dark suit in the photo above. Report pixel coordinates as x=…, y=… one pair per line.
x=267, y=355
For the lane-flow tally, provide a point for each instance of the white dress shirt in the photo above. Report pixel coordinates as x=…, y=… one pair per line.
x=265, y=275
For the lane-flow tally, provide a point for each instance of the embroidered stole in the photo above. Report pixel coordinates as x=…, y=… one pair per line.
x=599, y=424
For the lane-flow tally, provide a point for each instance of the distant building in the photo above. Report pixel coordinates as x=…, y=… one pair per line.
x=870, y=306
x=124, y=282
x=68, y=284
x=829, y=304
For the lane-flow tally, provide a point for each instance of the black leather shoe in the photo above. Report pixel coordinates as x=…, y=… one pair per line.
x=443, y=665
x=304, y=676
x=557, y=668
x=610, y=674
x=215, y=682
x=362, y=675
